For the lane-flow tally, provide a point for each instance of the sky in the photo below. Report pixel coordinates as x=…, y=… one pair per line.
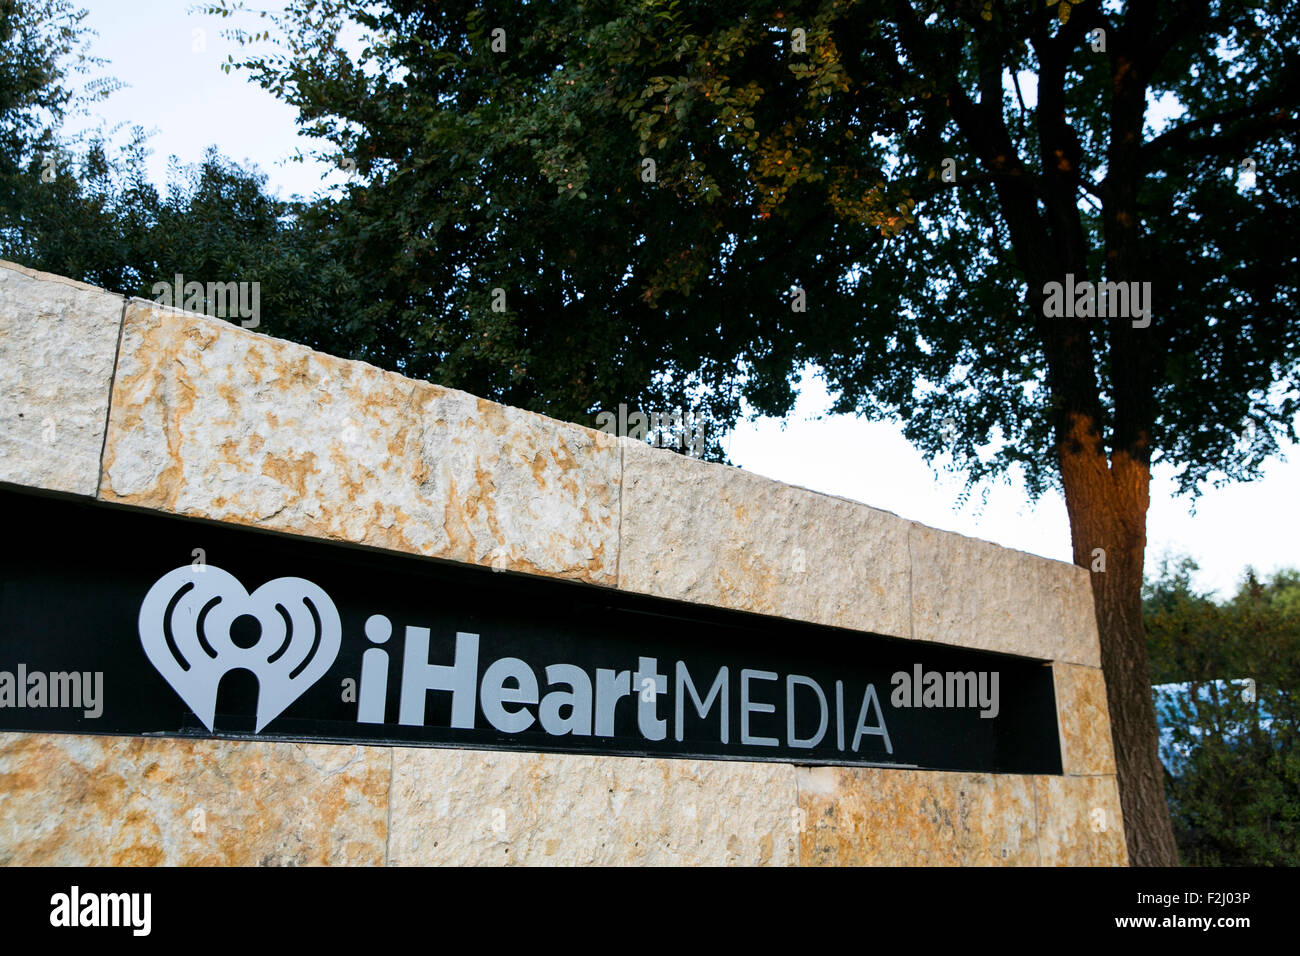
x=169, y=58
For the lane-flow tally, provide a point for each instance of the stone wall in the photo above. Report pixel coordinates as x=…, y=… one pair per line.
x=131, y=403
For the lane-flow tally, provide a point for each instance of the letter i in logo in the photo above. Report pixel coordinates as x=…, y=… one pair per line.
x=374, y=672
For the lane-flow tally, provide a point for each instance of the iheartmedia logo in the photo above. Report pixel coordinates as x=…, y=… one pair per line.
x=186, y=626
x=76, y=908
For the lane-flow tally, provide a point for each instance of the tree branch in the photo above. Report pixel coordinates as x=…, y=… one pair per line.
x=1257, y=121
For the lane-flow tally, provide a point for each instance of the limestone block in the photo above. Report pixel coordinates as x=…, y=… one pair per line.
x=214, y=421
x=488, y=807
x=1082, y=645
x=972, y=593
x=1080, y=822
x=57, y=343
x=1086, y=745
x=702, y=532
x=73, y=800
x=865, y=816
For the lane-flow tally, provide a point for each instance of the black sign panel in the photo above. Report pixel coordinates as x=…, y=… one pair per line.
x=122, y=621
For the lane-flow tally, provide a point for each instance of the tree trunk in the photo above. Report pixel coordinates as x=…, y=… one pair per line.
x=1107, y=499
x=1107, y=504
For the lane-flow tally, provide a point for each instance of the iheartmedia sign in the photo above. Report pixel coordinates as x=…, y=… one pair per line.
x=379, y=648
x=186, y=624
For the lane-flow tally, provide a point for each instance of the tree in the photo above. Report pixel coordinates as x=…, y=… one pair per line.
x=919, y=172
x=103, y=222
x=81, y=207
x=43, y=47
x=1235, y=789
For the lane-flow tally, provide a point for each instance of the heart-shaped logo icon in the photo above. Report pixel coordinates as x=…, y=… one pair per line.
x=185, y=622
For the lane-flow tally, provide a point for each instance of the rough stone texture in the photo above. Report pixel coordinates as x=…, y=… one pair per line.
x=81, y=800
x=128, y=801
x=1086, y=746
x=1082, y=645
x=972, y=593
x=875, y=817
x=57, y=343
x=214, y=421
x=702, y=532
x=1079, y=821
x=466, y=807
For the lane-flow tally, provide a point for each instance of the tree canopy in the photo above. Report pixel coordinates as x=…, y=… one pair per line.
x=522, y=169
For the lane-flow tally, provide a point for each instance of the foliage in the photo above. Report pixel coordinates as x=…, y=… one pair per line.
x=87, y=209
x=521, y=170
x=43, y=46
x=103, y=222
x=1236, y=799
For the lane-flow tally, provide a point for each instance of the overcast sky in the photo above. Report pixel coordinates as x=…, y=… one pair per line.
x=176, y=88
